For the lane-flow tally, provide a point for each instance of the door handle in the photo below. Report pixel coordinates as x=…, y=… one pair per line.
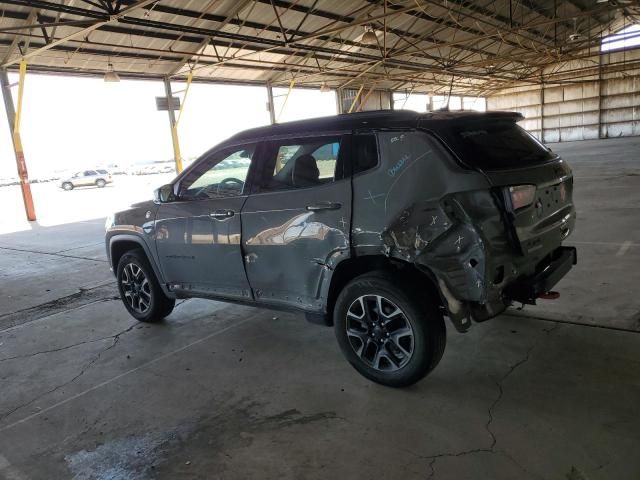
x=324, y=206
x=222, y=214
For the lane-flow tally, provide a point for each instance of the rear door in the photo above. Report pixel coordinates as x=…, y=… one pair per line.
x=198, y=235
x=296, y=225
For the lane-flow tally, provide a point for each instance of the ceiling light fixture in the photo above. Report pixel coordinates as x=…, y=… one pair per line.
x=369, y=37
x=111, y=75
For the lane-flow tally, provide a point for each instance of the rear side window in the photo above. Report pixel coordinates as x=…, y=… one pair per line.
x=103, y=172
x=365, y=153
x=496, y=145
x=301, y=163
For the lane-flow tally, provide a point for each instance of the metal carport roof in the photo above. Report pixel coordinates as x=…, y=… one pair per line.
x=475, y=47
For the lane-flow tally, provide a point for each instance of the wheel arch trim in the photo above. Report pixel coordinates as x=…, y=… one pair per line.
x=117, y=237
x=366, y=263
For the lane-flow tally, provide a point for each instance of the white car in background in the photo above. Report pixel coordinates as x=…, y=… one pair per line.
x=87, y=178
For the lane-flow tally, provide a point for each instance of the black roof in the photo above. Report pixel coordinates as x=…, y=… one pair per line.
x=376, y=119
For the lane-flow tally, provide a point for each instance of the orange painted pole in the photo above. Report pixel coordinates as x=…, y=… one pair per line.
x=14, y=117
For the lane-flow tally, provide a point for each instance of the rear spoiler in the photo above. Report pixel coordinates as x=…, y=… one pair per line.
x=475, y=116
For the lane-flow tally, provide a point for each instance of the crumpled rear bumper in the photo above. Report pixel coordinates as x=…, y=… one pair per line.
x=548, y=273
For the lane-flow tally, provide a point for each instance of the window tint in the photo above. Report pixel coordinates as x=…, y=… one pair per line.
x=496, y=145
x=103, y=172
x=88, y=173
x=222, y=175
x=365, y=153
x=302, y=163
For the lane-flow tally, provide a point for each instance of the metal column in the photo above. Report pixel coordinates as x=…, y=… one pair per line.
x=541, y=108
x=272, y=108
x=174, y=127
x=601, y=128
x=14, y=116
x=339, y=103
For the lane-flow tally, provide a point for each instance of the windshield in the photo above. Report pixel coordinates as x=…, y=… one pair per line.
x=496, y=145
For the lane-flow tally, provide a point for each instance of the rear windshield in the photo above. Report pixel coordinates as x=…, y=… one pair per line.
x=496, y=145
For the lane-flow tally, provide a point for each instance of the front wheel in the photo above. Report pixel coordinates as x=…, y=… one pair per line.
x=386, y=331
x=100, y=183
x=139, y=289
x=67, y=186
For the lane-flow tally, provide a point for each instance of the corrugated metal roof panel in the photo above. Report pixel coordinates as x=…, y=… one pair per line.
x=480, y=45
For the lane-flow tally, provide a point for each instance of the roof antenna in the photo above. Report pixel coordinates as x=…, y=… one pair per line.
x=446, y=107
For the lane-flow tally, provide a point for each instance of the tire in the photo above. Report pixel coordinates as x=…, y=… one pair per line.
x=138, y=286
x=67, y=186
x=410, y=334
x=100, y=183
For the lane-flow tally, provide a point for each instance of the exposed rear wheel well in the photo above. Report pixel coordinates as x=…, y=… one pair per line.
x=121, y=247
x=353, y=267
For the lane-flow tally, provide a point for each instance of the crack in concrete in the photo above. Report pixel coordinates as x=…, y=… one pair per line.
x=577, y=320
x=490, y=412
x=53, y=254
x=94, y=244
x=115, y=339
x=67, y=347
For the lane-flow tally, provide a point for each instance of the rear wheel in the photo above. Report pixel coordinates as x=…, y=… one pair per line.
x=139, y=289
x=100, y=183
x=388, y=332
x=67, y=186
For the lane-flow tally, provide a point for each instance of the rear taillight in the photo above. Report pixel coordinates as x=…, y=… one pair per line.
x=522, y=195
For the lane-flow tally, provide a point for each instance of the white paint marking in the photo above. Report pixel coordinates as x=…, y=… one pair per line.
x=623, y=248
x=386, y=198
x=124, y=374
x=373, y=197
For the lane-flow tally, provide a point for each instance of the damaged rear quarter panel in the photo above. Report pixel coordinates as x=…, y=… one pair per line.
x=415, y=207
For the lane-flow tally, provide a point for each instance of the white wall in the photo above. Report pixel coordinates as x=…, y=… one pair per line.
x=603, y=103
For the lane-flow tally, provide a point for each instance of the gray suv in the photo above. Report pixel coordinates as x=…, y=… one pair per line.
x=87, y=178
x=378, y=223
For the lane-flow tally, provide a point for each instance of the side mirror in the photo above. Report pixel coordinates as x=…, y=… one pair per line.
x=164, y=194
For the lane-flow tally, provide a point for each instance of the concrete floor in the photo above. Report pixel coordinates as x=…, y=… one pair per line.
x=230, y=392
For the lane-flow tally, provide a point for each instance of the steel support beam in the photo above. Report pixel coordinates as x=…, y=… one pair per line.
x=272, y=109
x=13, y=117
x=541, y=108
x=83, y=32
x=286, y=99
x=339, y=105
x=173, y=124
x=601, y=133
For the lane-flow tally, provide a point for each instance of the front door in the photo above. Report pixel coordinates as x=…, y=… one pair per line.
x=88, y=178
x=198, y=235
x=296, y=226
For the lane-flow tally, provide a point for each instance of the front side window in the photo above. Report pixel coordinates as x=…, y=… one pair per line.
x=222, y=175
x=89, y=173
x=300, y=163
